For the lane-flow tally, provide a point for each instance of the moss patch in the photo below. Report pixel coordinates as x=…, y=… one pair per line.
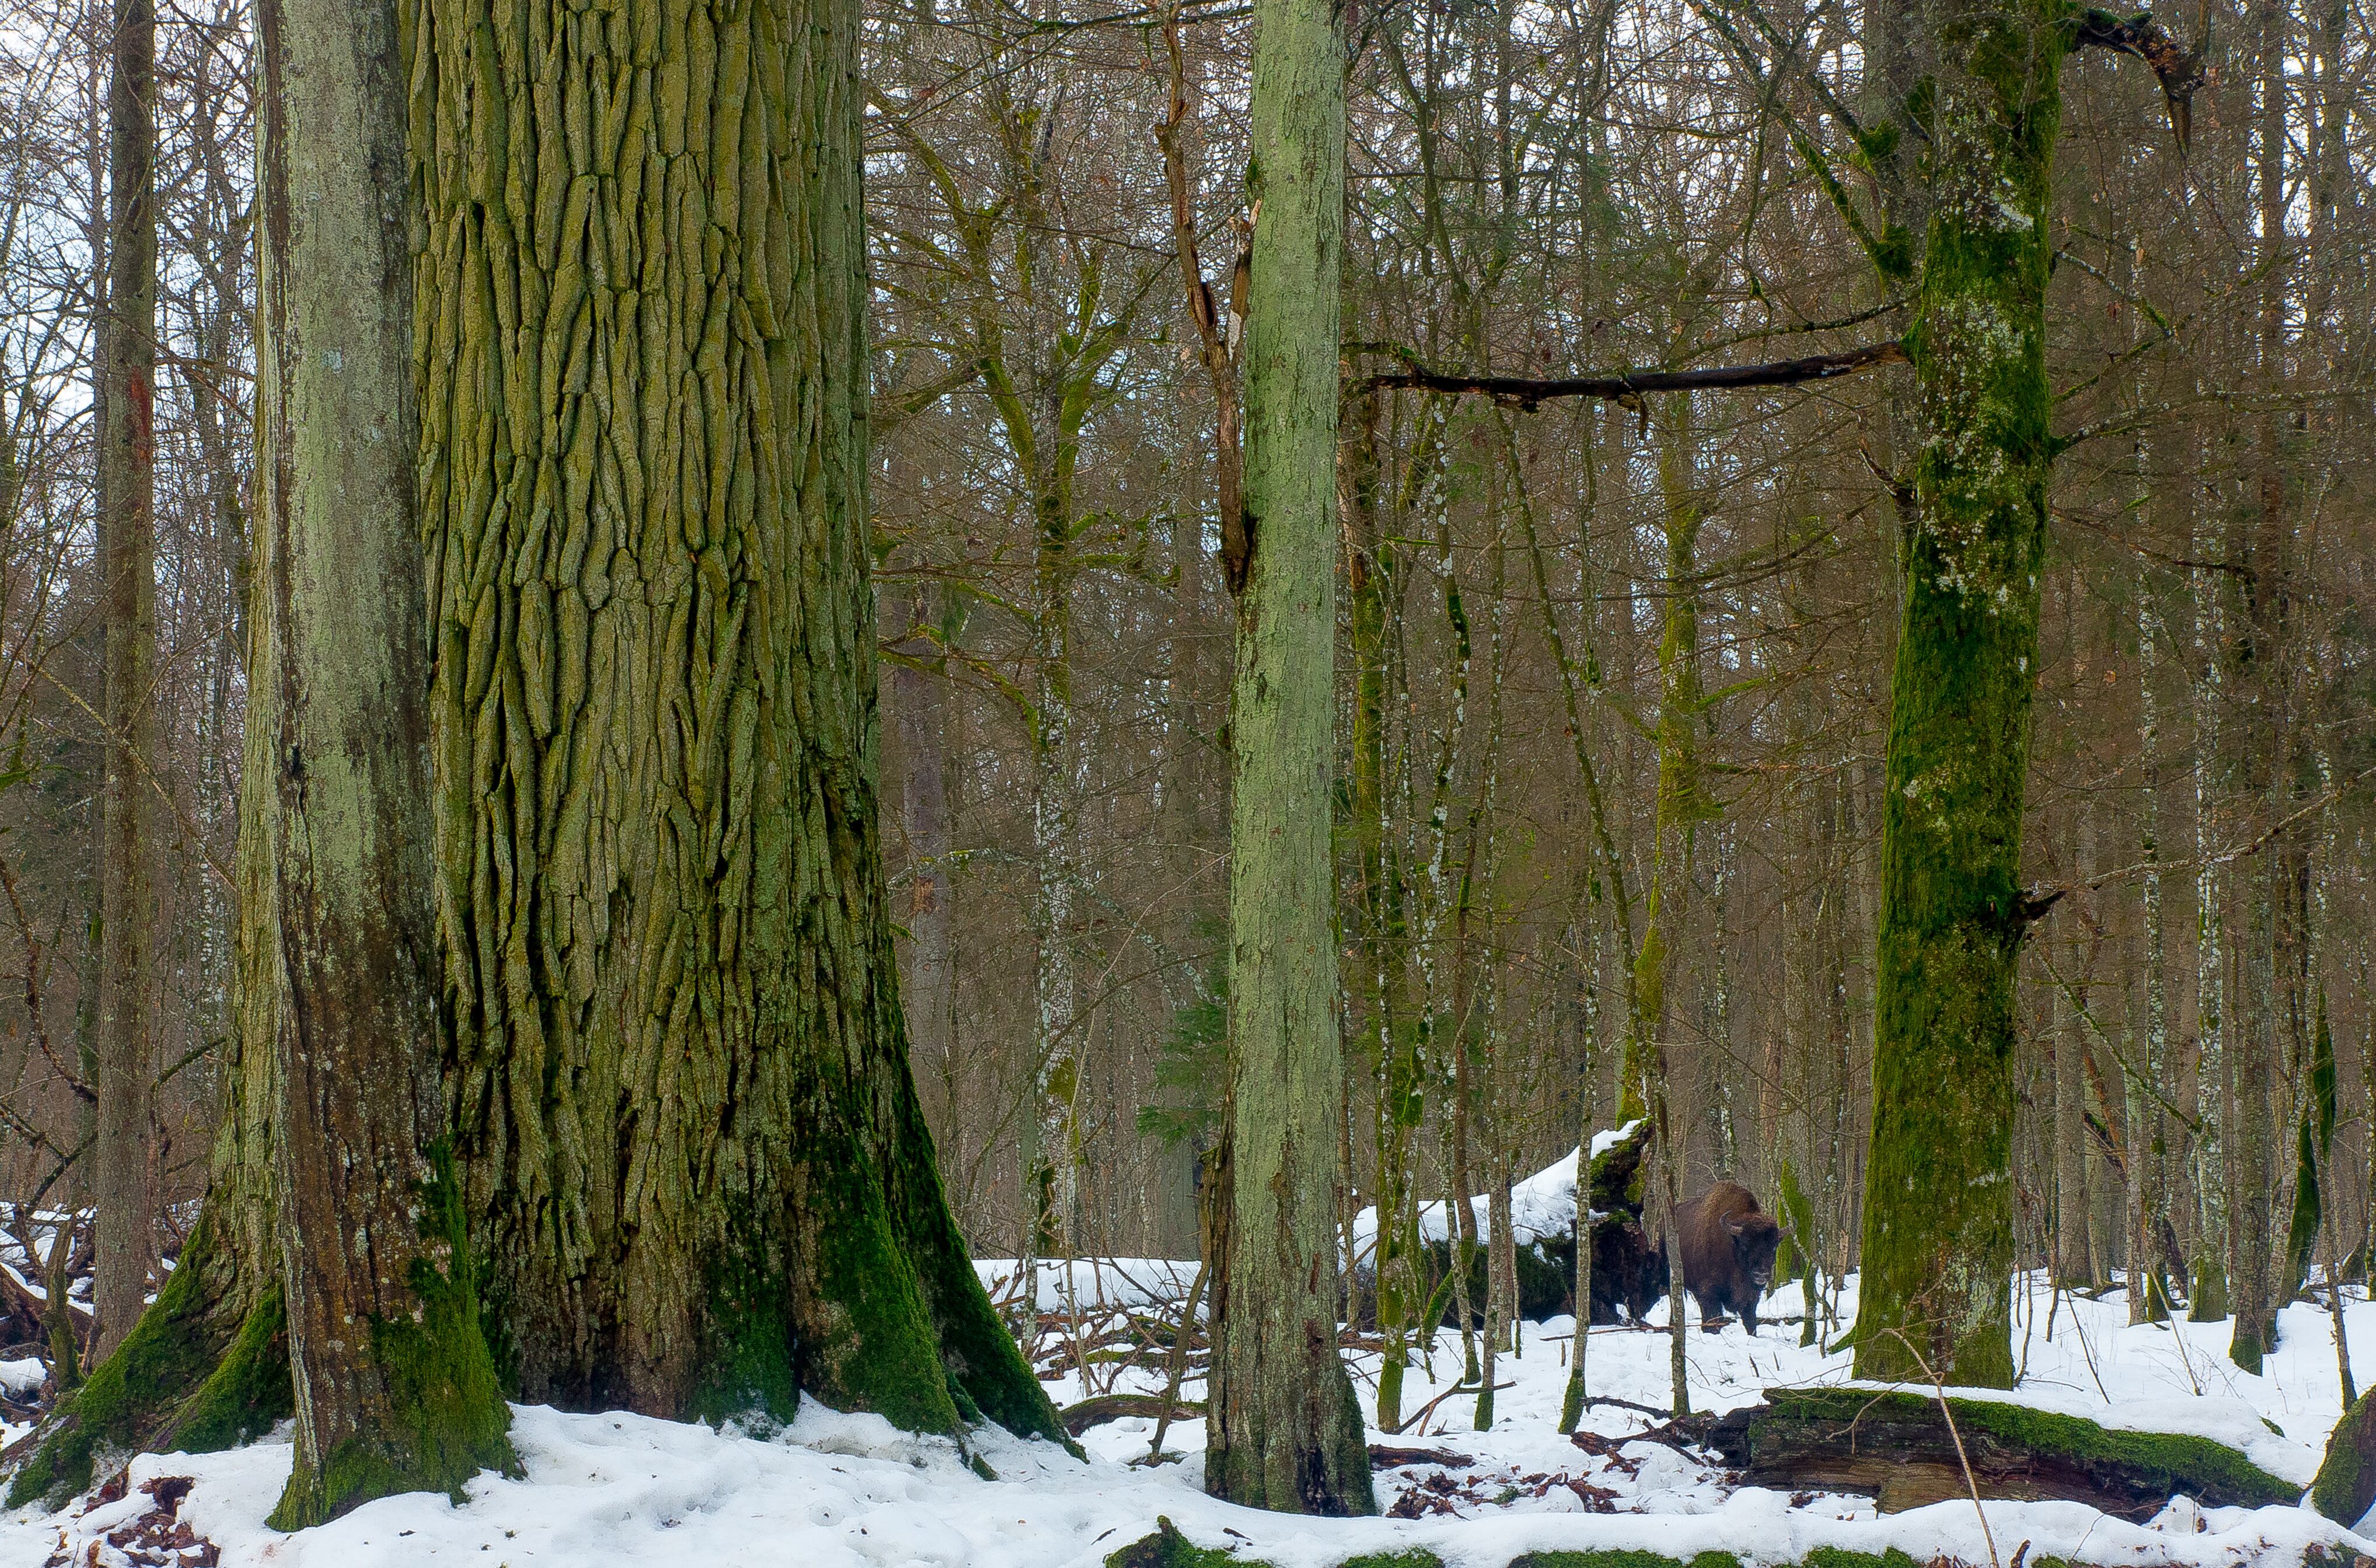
x=1167, y=1547
x=447, y=1418
x=2346, y=1487
x=2165, y=1463
x=175, y=1349
x=1623, y=1559
x=248, y=1391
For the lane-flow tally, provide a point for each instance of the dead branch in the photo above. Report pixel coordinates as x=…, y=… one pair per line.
x=1527, y=392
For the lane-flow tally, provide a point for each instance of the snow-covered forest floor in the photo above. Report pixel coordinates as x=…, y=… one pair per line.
x=834, y=1490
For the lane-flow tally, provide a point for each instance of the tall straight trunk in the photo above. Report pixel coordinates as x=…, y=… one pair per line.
x=2268, y=1017
x=1377, y=917
x=689, y=1141
x=1938, y=1216
x=1588, y=931
x=2147, y=1138
x=2072, y=1267
x=2207, y=1286
x=1283, y=1431
x=395, y=1387
x=1682, y=804
x=920, y=709
x=123, y=1183
x=1051, y=1160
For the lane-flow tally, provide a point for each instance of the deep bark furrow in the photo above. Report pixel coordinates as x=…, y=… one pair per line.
x=677, y=1069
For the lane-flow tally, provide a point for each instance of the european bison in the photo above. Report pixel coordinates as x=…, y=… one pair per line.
x=1728, y=1250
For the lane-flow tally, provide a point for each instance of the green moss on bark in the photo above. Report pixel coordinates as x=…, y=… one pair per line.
x=249, y=1389
x=2346, y=1487
x=986, y=1371
x=136, y=1397
x=1938, y=1229
x=447, y=1419
x=879, y=1350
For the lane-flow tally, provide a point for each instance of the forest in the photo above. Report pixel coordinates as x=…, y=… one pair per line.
x=1314, y=783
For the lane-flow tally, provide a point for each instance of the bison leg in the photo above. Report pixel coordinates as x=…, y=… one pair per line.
x=1711, y=1313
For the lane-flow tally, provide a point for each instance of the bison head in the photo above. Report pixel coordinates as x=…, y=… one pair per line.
x=1755, y=1237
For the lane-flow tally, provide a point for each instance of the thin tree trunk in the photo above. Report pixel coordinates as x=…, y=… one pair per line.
x=395, y=1387
x=123, y=1180
x=2071, y=1266
x=1283, y=1429
x=1380, y=946
x=1572, y=1401
x=2255, y=1238
x=918, y=707
x=2207, y=1286
x=2148, y=1297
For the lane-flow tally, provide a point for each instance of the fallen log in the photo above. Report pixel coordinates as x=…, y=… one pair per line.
x=1382, y=1458
x=1896, y=1446
x=1104, y=1407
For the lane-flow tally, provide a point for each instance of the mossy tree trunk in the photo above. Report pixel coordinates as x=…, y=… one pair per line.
x=684, y=1127
x=690, y=1145
x=123, y=1183
x=1683, y=803
x=395, y=1388
x=1283, y=1429
x=1938, y=1218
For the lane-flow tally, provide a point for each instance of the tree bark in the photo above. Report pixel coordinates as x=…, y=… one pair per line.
x=1378, y=917
x=1284, y=1431
x=1938, y=1219
x=920, y=709
x=685, y=1117
x=123, y=1182
x=395, y=1388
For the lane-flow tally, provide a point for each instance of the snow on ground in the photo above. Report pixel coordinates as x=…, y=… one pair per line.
x=834, y=1490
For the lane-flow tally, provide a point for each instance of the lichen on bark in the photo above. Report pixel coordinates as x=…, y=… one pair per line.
x=1283, y=1429
x=1938, y=1226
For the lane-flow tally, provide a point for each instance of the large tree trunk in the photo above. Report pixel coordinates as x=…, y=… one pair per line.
x=685, y=1128
x=123, y=1181
x=1284, y=1431
x=1938, y=1220
x=689, y=1139
x=395, y=1388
